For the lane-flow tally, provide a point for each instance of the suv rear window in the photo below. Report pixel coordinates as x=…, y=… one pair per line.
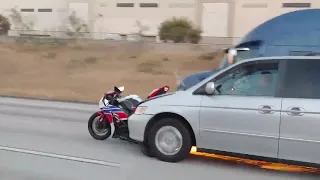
x=302, y=79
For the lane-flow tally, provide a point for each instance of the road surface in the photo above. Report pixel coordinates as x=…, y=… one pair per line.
x=42, y=140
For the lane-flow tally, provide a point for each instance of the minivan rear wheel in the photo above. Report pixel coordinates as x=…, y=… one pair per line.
x=170, y=140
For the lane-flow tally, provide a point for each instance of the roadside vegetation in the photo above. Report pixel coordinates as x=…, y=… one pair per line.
x=179, y=30
x=84, y=69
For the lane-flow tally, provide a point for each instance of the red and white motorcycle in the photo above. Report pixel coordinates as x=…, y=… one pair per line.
x=112, y=118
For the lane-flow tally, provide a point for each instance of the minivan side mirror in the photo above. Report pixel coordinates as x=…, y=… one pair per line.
x=210, y=88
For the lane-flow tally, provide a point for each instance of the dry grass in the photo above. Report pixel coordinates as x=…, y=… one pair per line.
x=82, y=72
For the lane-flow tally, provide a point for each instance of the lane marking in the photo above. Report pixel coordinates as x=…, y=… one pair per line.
x=49, y=107
x=60, y=156
x=55, y=118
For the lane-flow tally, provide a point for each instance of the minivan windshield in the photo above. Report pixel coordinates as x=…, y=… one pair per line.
x=241, y=54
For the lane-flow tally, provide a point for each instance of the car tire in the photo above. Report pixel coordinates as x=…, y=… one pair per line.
x=146, y=150
x=175, y=125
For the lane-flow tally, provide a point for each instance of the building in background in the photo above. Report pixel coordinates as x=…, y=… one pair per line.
x=235, y=18
x=130, y=16
x=43, y=15
x=222, y=21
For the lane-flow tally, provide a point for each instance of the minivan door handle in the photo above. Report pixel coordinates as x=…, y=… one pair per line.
x=265, y=109
x=295, y=111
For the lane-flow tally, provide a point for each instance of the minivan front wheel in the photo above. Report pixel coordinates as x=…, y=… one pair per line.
x=170, y=140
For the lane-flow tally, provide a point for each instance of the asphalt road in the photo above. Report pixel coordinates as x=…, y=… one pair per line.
x=42, y=140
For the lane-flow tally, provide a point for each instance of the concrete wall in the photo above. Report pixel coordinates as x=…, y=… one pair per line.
x=45, y=14
x=216, y=21
x=104, y=16
x=111, y=18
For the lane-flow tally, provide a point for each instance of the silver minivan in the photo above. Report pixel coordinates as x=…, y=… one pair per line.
x=259, y=108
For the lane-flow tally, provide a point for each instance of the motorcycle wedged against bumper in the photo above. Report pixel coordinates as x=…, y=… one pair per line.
x=112, y=118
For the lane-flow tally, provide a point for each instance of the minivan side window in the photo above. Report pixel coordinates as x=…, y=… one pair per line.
x=302, y=79
x=253, y=79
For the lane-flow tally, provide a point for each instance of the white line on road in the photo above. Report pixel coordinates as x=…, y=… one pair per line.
x=59, y=156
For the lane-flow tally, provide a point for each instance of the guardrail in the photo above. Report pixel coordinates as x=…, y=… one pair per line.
x=46, y=37
x=208, y=40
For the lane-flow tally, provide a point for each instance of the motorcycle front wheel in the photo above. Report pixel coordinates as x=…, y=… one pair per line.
x=99, y=130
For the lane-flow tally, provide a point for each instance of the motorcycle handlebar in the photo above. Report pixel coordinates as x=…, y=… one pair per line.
x=112, y=99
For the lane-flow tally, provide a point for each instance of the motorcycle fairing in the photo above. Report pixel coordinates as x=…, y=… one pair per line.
x=109, y=110
x=158, y=91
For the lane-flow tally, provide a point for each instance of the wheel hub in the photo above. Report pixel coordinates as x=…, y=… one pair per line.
x=99, y=128
x=99, y=125
x=168, y=140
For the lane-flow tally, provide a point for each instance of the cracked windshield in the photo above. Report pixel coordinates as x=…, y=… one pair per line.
x=139, y=90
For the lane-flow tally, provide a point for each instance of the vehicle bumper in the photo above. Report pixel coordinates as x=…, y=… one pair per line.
x=137, y=125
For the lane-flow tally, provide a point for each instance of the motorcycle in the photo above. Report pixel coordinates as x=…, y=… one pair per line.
x=112, y=118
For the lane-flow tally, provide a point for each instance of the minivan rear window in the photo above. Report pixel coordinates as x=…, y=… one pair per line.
x=302, y=79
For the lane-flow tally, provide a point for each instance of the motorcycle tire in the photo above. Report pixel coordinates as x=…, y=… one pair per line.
x=93, y=133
